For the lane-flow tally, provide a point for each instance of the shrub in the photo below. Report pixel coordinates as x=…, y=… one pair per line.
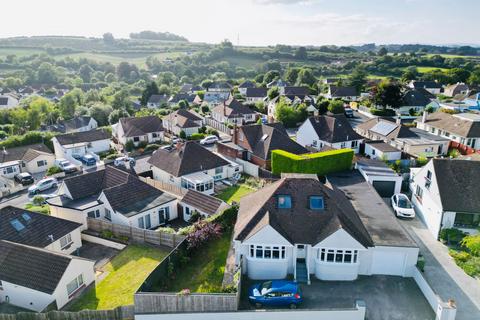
x=336, y=107
x=382, y=112
x=151, y=147
x=38, y=200
x=195, y=217
x=203, y=231
x=196, y=136
x=472, y=243
x=107, y=234
x=142, y=144
x=182, y=135
x=202, y=130
x=421, y=161
x=320, y=163
x=3, y=134
x=129, y=145
x=167, y=230
x=28, y=138
x=451, y=235
x=112, y=156
x=205, y=109
x=213, y=132
x=53, y=170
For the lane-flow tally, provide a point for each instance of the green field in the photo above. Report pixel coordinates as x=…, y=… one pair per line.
x=19, y=52
x=115, y=58
x=428, y=69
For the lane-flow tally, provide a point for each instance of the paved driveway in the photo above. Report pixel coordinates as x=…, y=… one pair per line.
x=443, y=275
x=386, y=297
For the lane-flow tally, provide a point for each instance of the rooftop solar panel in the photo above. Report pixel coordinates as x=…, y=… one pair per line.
x=383, y=128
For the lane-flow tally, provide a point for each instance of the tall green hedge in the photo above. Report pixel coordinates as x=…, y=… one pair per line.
x=31, y=137
x=321, y=163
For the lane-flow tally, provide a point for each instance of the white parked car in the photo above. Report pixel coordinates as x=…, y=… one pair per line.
x=43, y=185
x=402, y=206
x=209, y=140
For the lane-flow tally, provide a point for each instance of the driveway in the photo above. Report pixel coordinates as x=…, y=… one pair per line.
x=443, y=275
x=386, y=297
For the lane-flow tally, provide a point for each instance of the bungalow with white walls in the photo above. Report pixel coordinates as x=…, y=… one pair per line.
x=204, y=205
x=34, y=158
x=445, y=195
x=76, y=124
x=71, y=145
x=244, y=86
x=114, y=195
x=191, y=166
x=302, y=227
x=148, y=129
x=39, y=230
x=378, y=149
x=182, y=120
x=328, y=131
x=34, y=278
x=431, y=86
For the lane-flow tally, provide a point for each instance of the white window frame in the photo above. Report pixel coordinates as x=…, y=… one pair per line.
x=78, y=282
x=339, y=255
x=268, y=252
x=67, y=240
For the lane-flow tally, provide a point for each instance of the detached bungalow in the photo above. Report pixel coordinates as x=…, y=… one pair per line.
x=431, y=86
x=345, y=93
x=200, y=203
x=446, y=195
x=34, y=158
x=34, y=278
x=148, y=129
x=253, y=95
x=301, y=227
x=80, y=143
x=244, y=86
x=157, y=101
x=77, y=124
x=328, y=131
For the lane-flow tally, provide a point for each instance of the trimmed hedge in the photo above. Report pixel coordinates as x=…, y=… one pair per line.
x=321, y=163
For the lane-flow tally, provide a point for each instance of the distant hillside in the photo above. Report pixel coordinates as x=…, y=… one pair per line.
x=152, y=35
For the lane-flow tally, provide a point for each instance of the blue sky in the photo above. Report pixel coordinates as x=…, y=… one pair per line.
x=253, y=22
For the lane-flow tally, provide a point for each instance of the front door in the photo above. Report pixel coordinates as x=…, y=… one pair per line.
x=164, y=215
x=301, y=251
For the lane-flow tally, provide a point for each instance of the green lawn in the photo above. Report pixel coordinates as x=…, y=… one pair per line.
x=127, y=271
x=204, y=271
x=45, y=209
x=234, y=193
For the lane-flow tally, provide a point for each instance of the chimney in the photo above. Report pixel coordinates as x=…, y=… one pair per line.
x=235, y=134
x=179, y=145
x=399, y=120
x=424, y=116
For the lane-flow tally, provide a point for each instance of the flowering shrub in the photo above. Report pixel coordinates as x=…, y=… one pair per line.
x=202, y=232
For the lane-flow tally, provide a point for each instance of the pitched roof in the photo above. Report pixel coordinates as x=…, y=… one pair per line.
x=158, y=98
x=232, y=108
x=382, y=146
x=337, y=91
x=426, y=84
x=139, y=126
x=33, y=268
x=73, y=124
x=220, y=85
x=25, y=153
x=84, y=136
x=333, y=129
x=182, y=96
x=415, y=97
x=247, y=84
x=299, y=224
x=296, y=91
x=263, y=138
x=207, y=204
x=37, y=230
x=387, y=128
x=454, y=124
x=457, y=184
x=183, y=118
x=253, y=92
x=189, y=158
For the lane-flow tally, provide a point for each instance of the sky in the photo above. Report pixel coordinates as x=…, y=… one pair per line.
x=253, y=22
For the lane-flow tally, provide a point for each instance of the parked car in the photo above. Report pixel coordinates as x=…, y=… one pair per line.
x=402, y=206
x=176, y=140
x=88, y=160
x=167, y=148
x=348, y=113
x=275, y=293
x=66, y=166
x=124, y=160
x=24, y=178
x=209, y=140
x=43, y=185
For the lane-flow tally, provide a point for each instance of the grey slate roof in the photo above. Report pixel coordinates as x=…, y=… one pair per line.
x=247, y=84
x=73, y=124
x=33, y=268
x=208, y=204
x=232, y=109
x=263, y=138
x=85, y=136
x=253, y=92
x=158, y=98
x=382, y=146
x=182, y=96
x=333, y=129
x=299, y=224
x=454, y=124
x=140, y=126
x=458, y=184
x=337, y=91
x=415, y=97
x=296, y=91
x=189, y=158
x=37, y=230
x=25, y=153
x=426, y=84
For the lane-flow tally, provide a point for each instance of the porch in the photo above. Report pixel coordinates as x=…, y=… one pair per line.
x=198, y=181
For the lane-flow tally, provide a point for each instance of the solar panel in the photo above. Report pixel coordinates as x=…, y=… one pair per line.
x=383, y=128
x=17, y=225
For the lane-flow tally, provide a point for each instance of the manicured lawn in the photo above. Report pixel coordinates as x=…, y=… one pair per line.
x=45, y=209
x=204, y=271
x=234, y=193
x=127, y=271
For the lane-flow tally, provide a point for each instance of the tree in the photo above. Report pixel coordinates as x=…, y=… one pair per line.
x=69, y=102
x=46, y=73
x=474, y=78
x=85, y=73
x=273, y=92
x=150, y=90
x=108, y=38
x=100, y=112
x=306, y=77
x=291, y=75
x=387, y=94
x=383, y=51
x=301, y=53
x=270, y=76
x=116, y=115
x=322, y=106
x=410, y=73
x=336, y=107
x=458, y=75
x=121, y=99
x=290, y=115
x=127, y=71
x=358, y=78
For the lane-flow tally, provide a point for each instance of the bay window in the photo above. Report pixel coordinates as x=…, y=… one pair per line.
x=267, y=252
x=337, y=255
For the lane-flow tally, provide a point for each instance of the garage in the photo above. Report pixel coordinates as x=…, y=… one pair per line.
x=385, y=189
x=388, y=262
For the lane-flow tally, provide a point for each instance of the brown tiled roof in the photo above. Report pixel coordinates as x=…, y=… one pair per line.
x=25, y=153
x=84, y=136
x=208, y=204
x=299, y=224
x=333, y=128
x=232, y=108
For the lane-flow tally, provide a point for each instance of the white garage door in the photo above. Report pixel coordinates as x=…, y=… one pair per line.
x=387, y=262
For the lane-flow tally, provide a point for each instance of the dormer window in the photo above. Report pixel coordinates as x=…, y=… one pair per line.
x=316, y=203
x=284, y=202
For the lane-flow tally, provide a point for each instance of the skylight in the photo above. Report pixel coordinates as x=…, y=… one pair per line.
x=316, y=203
x=17, y=225
x=284, y=202
x=26, y=217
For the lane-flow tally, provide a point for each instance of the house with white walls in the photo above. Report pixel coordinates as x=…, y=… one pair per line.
x=202, y=204
x=301, y=227
x=34, y=158
x=191, y=166
x=76, y=124
x=332, y=131
x=114, y=195
x=8, y=101
x=39, y=230
x=377, y=149
x=245, y=85
x=445, y=195
x=433, y=87
x=148, y=129
x=73, y=145
x=182, y=120
x=233, y=112
x=35, y=278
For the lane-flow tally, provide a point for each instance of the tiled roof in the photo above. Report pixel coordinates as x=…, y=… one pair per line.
x=139, y=126
x=333, y=129
x=454, y=124
x=207, y=204
x=84, y=136
x=25, y=153
x=232, y=109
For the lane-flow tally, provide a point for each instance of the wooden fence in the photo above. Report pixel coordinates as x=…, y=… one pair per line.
x=218, y=126
x=157, y=238
x=120, y=313
x=164, y=186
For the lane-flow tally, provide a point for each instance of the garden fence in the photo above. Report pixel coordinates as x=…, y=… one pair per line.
x=137, y=235
x=164, y=186
x=120, y=313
